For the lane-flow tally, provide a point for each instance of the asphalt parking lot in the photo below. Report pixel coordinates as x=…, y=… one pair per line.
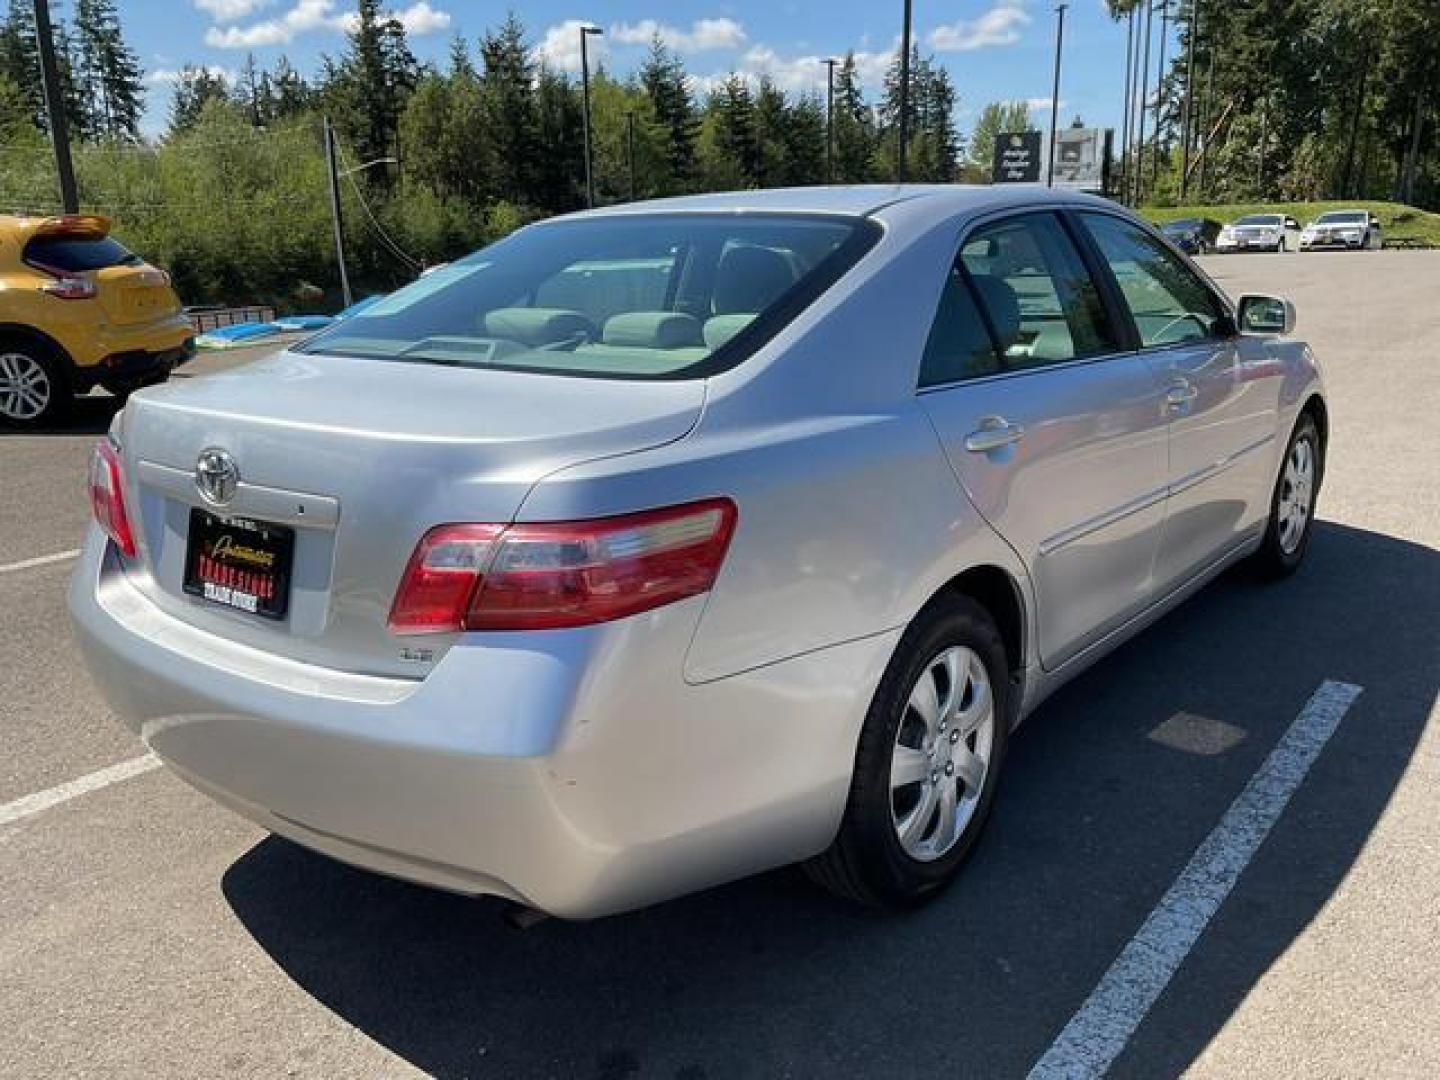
x=146, y=932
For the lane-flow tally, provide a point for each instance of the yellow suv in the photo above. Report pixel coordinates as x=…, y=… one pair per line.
x=77, y=310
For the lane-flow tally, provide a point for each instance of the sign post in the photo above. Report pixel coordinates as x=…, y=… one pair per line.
x=1017, y=158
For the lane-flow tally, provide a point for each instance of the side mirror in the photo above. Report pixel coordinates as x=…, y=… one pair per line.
x=1265, y=315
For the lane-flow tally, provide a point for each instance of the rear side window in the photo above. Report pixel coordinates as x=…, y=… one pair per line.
x=1168, y=301
x=1040, y=302
x=635, y=296
x=959, y=346
x=75, y=255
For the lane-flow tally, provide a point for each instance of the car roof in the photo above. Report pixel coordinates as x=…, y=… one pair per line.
x=857, y=200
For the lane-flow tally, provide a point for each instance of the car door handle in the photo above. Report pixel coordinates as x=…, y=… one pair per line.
x=994, y=433
x=1181, y=393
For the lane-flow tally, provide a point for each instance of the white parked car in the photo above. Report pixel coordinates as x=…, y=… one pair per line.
x=1259, y=232
x=1352, y=230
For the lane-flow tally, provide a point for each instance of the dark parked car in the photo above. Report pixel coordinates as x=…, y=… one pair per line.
x=1194, y=236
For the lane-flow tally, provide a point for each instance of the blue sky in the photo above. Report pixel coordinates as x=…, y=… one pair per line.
x=994, y=49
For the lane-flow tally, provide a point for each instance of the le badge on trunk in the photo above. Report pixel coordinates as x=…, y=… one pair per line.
x=216, y=476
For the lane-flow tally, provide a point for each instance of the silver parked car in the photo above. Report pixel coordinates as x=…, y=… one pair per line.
x=660, y=545
x=1354, y=230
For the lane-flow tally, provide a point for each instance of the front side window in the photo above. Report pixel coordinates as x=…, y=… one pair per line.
x=640, y=296
x=1041, y=304
x=1168, y=301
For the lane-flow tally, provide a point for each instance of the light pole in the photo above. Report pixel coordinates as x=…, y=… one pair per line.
x=1144, y=100
x=1159, y=92
x=830, y=119
x=904, y=95
x=1055, y=91
x=1129, y=97
x=585, y=32
x=1187, y=121
x=55, y=108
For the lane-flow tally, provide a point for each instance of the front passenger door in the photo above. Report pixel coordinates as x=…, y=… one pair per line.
x=1056, y=435
x=1221, y=396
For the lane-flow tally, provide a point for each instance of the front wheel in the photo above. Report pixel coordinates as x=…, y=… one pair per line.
x=1292, y=505
x=927, y=764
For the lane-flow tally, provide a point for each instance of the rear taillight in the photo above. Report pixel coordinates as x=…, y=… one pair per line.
x=546, y=576
x=107, y=496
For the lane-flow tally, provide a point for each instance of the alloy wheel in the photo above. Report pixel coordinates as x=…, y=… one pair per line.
x=24, y=387
x=1297, y=493
x=942, y=753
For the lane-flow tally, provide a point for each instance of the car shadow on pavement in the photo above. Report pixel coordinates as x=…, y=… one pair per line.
x=1109, y=788
x=90, y=415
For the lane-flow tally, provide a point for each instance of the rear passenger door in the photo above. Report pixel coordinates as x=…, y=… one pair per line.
x=1221, y=396
x=1056, y=433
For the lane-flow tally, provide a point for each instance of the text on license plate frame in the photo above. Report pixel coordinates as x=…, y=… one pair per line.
x=225, y=563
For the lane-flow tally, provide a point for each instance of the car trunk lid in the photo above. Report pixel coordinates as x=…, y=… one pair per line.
x=360, y=458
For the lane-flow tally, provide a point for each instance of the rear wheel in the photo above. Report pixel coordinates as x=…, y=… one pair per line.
x=928, y=762
x=32, y=389
x=1292, y=505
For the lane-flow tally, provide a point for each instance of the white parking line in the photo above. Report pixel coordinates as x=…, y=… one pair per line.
x=29, y=805
x=41, y=560
x=1096, y=1035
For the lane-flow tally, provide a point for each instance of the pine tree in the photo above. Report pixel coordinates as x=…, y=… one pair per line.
x=292, y=94
x=855, y=135
x=663, y=78
x=805, y=142
x=107, y=73
x=20, y=58
x=508, y=96
x=195, y=89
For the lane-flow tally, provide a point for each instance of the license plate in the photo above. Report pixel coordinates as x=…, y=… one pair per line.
x=240, y=563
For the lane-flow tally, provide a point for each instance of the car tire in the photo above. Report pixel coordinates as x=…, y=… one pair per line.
x=891, y=851
x=33, y=389
x=1292, y=503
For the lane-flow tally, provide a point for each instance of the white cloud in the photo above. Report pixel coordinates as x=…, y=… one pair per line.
x=795, y=74
x=704, y=35
x=418, y=19
x=307, y=15
x=1000, y=25
x=559, y=49
x=171, y=76
x=230, y=10
x=1042, y=104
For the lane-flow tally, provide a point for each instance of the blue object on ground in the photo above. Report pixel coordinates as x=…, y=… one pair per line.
x=304, y=322
x=360, y=305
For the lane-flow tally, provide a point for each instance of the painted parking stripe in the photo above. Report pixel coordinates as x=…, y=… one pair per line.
x=42, y=560
x=1096, y=1035
x=30, y=805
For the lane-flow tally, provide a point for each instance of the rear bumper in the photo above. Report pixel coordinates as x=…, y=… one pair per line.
x=574, y=771
x=1331, y=245
x=1232, y=246
x=136, y=365
x=98, y=352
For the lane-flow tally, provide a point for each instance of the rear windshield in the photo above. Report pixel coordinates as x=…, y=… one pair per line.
x=75, y=255
x=643, y=296
x=1344, y=217
x=1260, y=219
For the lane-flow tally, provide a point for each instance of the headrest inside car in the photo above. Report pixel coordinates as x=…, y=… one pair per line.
x=652, y=330
x=538, y=326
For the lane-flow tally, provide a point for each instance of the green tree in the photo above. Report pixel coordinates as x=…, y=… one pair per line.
x=108, y=75
x=996, y=118
x=196, y=88
x=509, y=109
x=20, y=58
x=855, y=134
x=663, y=78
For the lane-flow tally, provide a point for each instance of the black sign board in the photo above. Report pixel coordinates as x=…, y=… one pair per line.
x=1017, y=158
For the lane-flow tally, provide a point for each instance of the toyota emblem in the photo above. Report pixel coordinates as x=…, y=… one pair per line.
x=216, y=476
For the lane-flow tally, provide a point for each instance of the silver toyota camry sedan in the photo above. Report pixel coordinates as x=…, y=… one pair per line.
x=656, y=546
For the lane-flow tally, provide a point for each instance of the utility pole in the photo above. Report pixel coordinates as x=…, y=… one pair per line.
x=830, y=119
x=334, y=174
x=1205, y=133
x=904, y=94
x=1186, y=121
x=585, y=32
x=1055, y=92
x=1159, y=92
x=1144, y=104
x=55, y=108
x=1129, y=94
x=630, y=147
